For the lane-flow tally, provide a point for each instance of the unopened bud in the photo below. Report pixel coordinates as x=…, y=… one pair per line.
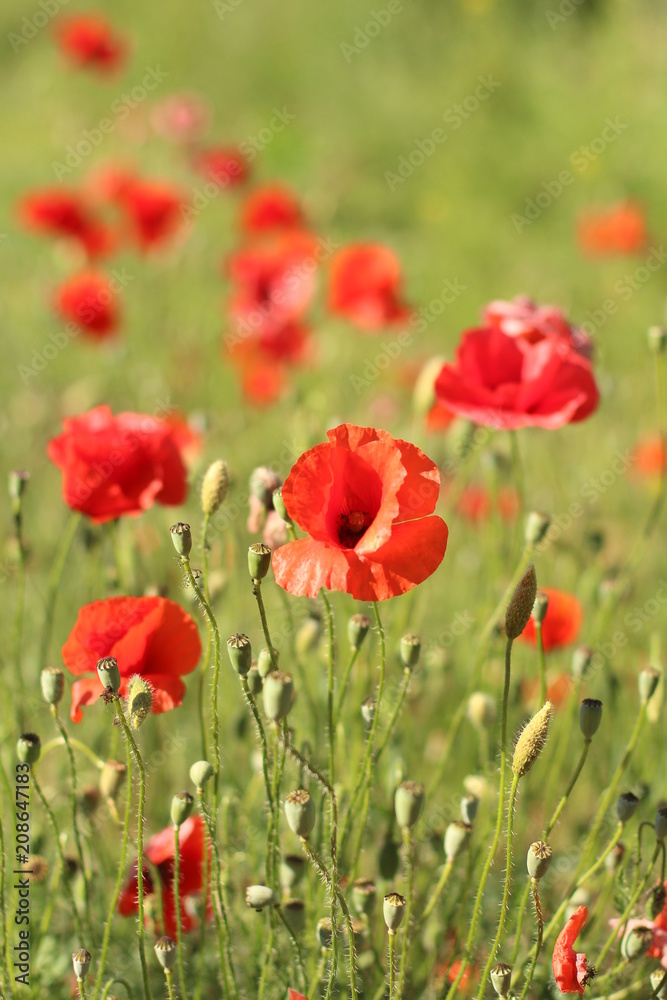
x=357, y=630
x=590, y=717
x=363, y=895
x=647, y=682
x=501, y=977
x=17, y=484
x=368, y=708
x=637, y=942
x=540, y=607
x=324, y=933
x=408, y=803
x=81, y=960
x=181, y=807
x=481, y=710
x=255, y=681
x=265, y=661
x=300, y=812
x=112, y=777
x=410, y=650
x=108, y=673
x=456, y=840
x=626, y=806
x=258, y=897
x=181, y=536
x=279, y=505
x=52, y=680
x=278, y=695
x=165, y=952
x=28, y=748
x=537, y=525
x=259, y=560
x=201, y=772
x=214, y=487
x=393, y=911
x=139, y=701
x=308, y=635
x=531, y=742
x=469, y=807
x=539, y=859
x=240, y=653
x=581, y=661
x=520, y=607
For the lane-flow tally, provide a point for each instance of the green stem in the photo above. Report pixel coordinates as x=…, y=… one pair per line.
x=628, y=910
x=297, y=948
x=3, y=923
x=344, y=685
x=121, y=982
x=250, y=701
x=82, y=988
x=541, y=665
x=394, y=715
x=207, y=654
x=169, y=977
x=392, y=964
x=538, y=943
x=437, y=892
x=18, y=617
x=267, y=957
x=409, y=892
x=566, y=794
x=53, y=586
x=219, y=911
x=335, y=890
x=177, y=906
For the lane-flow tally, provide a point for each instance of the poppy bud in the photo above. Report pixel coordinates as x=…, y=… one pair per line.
x=590, y=716
x=278, y=695
x=637, y=942
x=81, y=960
x=389, y=858
x=661, y=823
x=581, y=661
x=501, y=977
x=165, y=952
x=324, y=933
x=28, y=748
x=647, y=683
x=308, y=635
x=531, y=742
x=408, y=803
x=363, y=895
x=294, y=912
x=109, y=674
x=139, y=700
x=457, y=836
x=16, y=485
x=537, y=525
x=539, y=859
x=521, y=604
x=655, y=902
x=357, y=629
x=368, y=711
x=659, y=983
x=469, y=806
x=481, y=710
x=255, y=682
x=540, y=607
x=240, y=653
x=614, y=858
x=200, y=772
x=626, y=806
x=52, y=680
x=410, y=650
x=181, y=807
x=265, y=662
x=181, y=536
x=112, y=777
x=214, y=487
x=292, y=867
x=657, y=338
x=393, y=911
x=279, y=505
x=300, y=812
x=258, y=897
x=259, y=560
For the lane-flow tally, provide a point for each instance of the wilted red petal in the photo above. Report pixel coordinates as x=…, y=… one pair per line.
x=570, y=968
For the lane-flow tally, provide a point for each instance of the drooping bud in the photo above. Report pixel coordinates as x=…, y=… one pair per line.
x=357, y=630
x=647, y=683
x=590, y=716
x=214, y=487
x=165, y=952
x=581, y=661
x=292, y=867
x=28, y=748
x=456, y=840
x=661, y=823
x=531, y=742
x=108, y=673
x=52, y=680
x=393, y=911
x=408, y=803
x=637, y=942
x=520, y=607
x=181, y=536
x=537, y=525
x=368, y=708
x=626, y=806
x=181, y=807
x=112, y=777
x=324, y=933
x=259, y=560
x=539, y=859
x=240, y=653
x=278, y=695
x=258, y=897
x=139, y=700
x=279, y=505
x=300, y=812
x=481, y=710
x=410, y=650
x=540, y=607
x=265, y=661
x=294, y=912
x=201, y=772
x=81, y=960
x=501, y=977
x=363, y=895
x=469, y=807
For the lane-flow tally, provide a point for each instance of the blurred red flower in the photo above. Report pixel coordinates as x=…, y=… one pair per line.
x=154, y=211
x=476, y=503
x=364, y=498
x=88, y=299
x=271, y=207
x=89, y=41
x=439, y=418
x=293, y=995
x=118, y=465
x=571, y=970
x=181, y=117
x=507, y=382
x=523, y=318
x=160, y=852
x=562, y=621
x=558, y=688
x=365, y=286
x=453, y=972
x=649, y=457
x=226, y=167
x=618, y=229
x=150, y=636
x=60, y=213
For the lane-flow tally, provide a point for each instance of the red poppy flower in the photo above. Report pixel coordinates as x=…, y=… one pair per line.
x=506, y=382
x=89, y=301
x=650, y=457
x=523, y=318
x=150, y=636
x=571, y=969
x=453, y=972
x=439, y=418
x=59, y=213
x=263, y=382
x=118, y=465
x=364, y=498
x=271, y=207
x=90, y=41
x=476, y=503
x=225, y=167
x=562, y=621
x=189, y=440
x=618, y=229
x=293, y=995
x=558, y=689
x=154, y=212
x=181, y=117
x=365, y=286
x=160, y=852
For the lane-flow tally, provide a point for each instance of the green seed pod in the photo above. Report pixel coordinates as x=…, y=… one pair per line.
x=139, y=701
x=294, y=912
x=481, y=710
x=28, y=748
x=279, y=505
x=626, y=806
x=661, y=823
x=469, y=807
x=408, y=803
x=456, y=840
x=540, y=607
x=410, y=649
x=240, y=653
x=81, y=960
x=259, y=560
x=292, y=867
x=581, y=661
x=539, y=859
x=300, y=812
x=181, y=536
x=363, y=895
x=389, y=858
x=324, y=933
x=368, y=708
x=637, y=942
x=537, y=525
x=52, y=680
x=393, y=911
x=590, y=716
x=258, y=897
x=655, y=902
x=181, y=807
x=109, y=674
x=264, y=661
x=357, y=630
x=255, y=681
x=112, y=778
x=501, y=977
x=214, y=487
x=201, y=772
x=278, y=695
x=165, y=952
x=647, y=683
x=520, y=607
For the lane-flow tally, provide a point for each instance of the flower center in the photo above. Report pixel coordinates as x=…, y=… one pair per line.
x=352, y=527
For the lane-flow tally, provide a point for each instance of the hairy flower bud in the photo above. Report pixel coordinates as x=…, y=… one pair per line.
x=357, y=630
x=521, y=604
x=531, y=742
x=279, y=505
x=537, y=525
x=258, y=897
x=481, y=710
x=112, y=777
x=647, y=683
x=201, y=772
x=540, y=607
x=214, y=487
x=139, y=700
